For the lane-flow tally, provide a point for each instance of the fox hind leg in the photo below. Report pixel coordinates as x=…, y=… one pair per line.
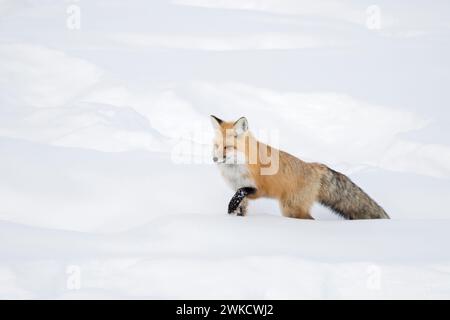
x=296, y=209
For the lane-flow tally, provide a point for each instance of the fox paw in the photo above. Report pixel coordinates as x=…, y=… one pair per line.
x=240, y=209
x=236, y=201
x=233, y=208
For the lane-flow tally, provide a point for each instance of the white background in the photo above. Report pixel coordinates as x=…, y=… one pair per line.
x=94, y=111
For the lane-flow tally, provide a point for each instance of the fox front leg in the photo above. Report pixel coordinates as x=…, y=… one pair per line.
x=238, y=204
x=243, y=207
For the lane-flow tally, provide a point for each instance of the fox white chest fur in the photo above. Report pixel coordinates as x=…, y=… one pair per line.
x=236, y=175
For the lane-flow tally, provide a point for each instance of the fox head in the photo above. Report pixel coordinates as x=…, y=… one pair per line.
x=230, y=140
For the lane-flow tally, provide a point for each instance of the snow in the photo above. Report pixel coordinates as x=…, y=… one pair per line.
x=220, y=256
x=107, y=185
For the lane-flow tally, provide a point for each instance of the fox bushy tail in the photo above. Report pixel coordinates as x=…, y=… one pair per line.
x=344, y=197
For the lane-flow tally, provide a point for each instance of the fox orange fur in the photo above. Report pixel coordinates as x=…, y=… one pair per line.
x=246, y=164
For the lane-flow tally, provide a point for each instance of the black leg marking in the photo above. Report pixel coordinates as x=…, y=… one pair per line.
x=238, y=197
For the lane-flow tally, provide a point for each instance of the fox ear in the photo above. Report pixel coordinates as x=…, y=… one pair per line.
x=241, y=126
x=216, y=122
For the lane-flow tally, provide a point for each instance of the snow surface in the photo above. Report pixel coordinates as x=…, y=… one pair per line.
x=105, y=169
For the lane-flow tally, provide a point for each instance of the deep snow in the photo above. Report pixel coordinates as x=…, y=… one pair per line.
x=106, y=183
x=209, y=256
x=137, y=225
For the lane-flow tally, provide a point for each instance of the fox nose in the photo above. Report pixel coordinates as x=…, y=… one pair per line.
x=215, y=159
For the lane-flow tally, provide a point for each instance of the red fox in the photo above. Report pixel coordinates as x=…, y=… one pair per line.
x=246, y=165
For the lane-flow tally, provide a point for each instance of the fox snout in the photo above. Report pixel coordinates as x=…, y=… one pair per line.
x=216, y=159
x=230, y=157
x=221, y=160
